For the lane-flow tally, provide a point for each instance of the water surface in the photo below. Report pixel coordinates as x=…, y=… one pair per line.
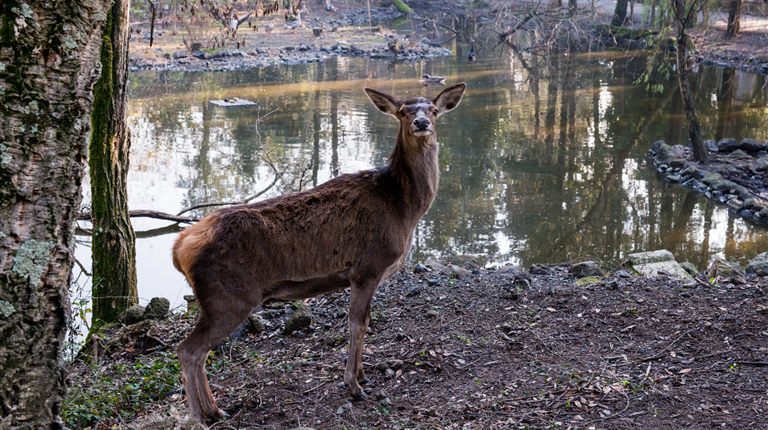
x=544, y=161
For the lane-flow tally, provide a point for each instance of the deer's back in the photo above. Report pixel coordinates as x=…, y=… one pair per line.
x=351, y=223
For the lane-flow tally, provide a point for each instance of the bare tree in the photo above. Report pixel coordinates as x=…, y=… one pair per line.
x=619, y=13
x=49, y=55
x=734, y=19
x=683, y=16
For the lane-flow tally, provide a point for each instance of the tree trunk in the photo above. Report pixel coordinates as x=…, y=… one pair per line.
x=734, y=19
x=620, y=13
x=49, y=55
x=694, y=130
x=113, y=246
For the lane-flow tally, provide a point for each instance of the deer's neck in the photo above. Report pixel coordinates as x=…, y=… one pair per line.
x=413, y=165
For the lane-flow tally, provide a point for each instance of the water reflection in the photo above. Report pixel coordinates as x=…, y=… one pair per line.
x=544, y=162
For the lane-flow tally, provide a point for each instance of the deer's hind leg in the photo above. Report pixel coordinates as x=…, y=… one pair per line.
x=220, y=313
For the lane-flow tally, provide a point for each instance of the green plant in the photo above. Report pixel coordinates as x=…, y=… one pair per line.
x=467, y=341
x=121, y=391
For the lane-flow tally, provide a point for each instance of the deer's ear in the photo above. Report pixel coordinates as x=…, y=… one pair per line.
x=384, y=102
x=447, y=100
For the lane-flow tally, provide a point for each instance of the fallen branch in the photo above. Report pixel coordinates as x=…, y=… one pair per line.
x=144, y=213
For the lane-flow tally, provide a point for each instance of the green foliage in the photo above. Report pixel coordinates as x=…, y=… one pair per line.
x=659, y=66
x=403, y=7
x=101, y=396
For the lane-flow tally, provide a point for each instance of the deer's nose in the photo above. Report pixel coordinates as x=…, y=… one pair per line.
x=421, y=123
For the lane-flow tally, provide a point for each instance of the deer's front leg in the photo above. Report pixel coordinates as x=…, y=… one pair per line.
x=359, y=312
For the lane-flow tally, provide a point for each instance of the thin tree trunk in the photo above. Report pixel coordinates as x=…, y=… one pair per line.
x=46, y=78
x=725, y=101
x=682, y=15
x=734, y=19
x=114, y=243
x=620, y=13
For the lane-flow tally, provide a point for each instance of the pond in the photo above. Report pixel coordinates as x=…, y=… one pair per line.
x=544, y=161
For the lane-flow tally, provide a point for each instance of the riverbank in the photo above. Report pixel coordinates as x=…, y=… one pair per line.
x=349, y=31
x=352, y=30
x=456, y=346
x=736, y=175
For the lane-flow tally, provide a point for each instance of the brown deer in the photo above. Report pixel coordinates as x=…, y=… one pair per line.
x=352, y=231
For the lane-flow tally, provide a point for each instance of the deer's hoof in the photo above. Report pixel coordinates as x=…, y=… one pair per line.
x=364, y=381
x=360, y=397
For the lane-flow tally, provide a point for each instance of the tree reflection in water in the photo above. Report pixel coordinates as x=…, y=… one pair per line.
x=519, y=184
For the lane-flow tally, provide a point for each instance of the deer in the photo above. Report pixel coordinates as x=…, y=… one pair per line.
x=352, y=231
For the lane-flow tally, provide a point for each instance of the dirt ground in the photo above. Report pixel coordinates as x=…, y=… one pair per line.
x=496, y=349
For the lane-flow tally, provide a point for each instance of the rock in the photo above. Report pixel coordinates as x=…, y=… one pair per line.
x=725, y=269
x=413, y=291
x=299, y=320
x=421, y=268
x=760, y=164
x=343, y=409
x=621, y=273
x=674, y=178
x=727, y=144
x=739, y=154
x=459, y=272
x=133, y=314
x=759, y=265
x=654, y=263
x=435, y=264
x=180, y=54
x=256, y=324
x=690, y=268
x=538, y=269
x=676, y=163
x=751, y=145
x=467, y=261
x=711, y=145
x=157, y=308
x=691, y=171
x=710, y=178
x=509, y=270
x=664, y=153
x=585, y=268
x=200, y=55
x=735, y=203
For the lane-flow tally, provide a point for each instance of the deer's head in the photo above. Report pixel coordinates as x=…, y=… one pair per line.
x=417, y=115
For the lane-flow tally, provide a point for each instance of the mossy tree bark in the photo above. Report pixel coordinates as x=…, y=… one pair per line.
x=682, y=17
x=114, y=242
x=49, y=53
